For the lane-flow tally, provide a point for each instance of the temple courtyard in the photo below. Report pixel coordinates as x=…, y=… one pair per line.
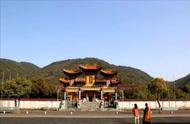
x=90, y=117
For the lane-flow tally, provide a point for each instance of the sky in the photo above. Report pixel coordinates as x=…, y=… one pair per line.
x=151, y=35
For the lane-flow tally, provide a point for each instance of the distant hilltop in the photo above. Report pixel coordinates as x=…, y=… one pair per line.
x=52, y=72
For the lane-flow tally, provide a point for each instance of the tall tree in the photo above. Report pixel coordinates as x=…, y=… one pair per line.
x=140, y=93
x=41, y=88
x=187, y=88
x=157, y=86
x=17, y=88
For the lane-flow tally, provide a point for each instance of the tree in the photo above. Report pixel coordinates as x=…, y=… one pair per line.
x=187, y=88
x=157, y=86
x=17, y=87
x=180, y=94
x=171, y=92
x=140, y=93
x=41, y=88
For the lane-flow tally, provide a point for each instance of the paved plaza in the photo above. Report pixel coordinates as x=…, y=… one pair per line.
x=85, y=117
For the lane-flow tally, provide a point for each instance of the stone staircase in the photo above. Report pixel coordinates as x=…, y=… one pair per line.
x=90, y=106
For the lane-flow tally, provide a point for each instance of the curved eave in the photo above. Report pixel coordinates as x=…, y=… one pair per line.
x=75, y=80
x=80, y=80
x=90, y=88
x=67, y=71
x=100, y=81
x=72, y=89
x=115, y=81
x=108, y=72
x=108, y=89
x=83, y=80
x=90, y=67
x=64, y=80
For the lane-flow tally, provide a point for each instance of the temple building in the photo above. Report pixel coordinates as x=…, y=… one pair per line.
x=90, y=83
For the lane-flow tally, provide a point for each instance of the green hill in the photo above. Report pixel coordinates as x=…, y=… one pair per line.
x=54, y=71
x=10, y=69
x=183, y=81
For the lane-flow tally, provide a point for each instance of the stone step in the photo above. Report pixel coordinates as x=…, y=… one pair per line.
x=90, y=105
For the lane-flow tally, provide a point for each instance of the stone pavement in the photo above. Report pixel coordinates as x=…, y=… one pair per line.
x=86, y=117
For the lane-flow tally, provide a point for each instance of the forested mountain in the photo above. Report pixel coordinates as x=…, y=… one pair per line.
x=52, y=72
x=183, y=81
x=42, y=81
x=10, y=69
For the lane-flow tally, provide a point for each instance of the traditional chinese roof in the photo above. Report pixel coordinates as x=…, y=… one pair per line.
x=75, y=80
x=71, y=71
x=90, y=88
x=90, y=67
x=100, y=80
x=115, y=81
x=109, y=72
x=64, y=80
x=108, y=89
x=80, y=80
x=72, y=89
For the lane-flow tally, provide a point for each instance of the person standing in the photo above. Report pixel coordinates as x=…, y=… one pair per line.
x=147, y=117
x=136, y=114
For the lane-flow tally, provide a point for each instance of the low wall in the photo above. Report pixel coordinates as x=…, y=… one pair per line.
x=38, y=104
x=31, y=104
x=154, y=104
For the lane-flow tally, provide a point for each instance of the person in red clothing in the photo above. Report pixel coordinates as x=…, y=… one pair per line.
x=136, y=114
x=147, y=117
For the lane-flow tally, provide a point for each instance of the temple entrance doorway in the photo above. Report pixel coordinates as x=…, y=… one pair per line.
x=90, y=98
